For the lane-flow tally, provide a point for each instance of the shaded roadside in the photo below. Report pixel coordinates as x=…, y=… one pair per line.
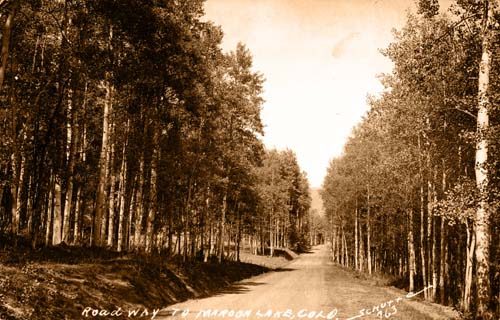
x=61, y=282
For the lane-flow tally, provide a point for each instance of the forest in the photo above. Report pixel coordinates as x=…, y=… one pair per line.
x=416, y=192
x=125, y=126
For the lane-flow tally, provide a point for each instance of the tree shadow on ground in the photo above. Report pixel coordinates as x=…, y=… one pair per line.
x=284, y=269
x=238, y=288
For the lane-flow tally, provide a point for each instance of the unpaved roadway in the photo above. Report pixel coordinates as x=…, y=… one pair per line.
x=310, y=287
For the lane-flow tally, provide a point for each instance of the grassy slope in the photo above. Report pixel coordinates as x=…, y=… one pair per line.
x=58, y=283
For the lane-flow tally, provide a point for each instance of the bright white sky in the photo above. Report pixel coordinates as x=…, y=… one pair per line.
x=320, y=59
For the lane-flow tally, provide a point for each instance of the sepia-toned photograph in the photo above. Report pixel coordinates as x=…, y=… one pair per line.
x=249, y=159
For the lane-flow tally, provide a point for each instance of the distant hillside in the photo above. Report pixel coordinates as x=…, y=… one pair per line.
x=317, y=203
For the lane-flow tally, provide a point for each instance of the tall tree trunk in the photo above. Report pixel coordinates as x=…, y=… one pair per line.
x=78, y=209
x=210, y=240
x=442, y=262
x=433, y=261
x=262, y=236
x=340, y=247
x=482, y=219
x=29, y=207
x=50, y=213
x=411, y=251
x=271, y=236
x=471, y=244
x=112, y=194
x=368, y=231
x=16, y=190
x=361, y=249
x=443, y=246
x=223, y=224
x=140, y=205
x=334, y=243
x=238, y=235
x=429, y=232
x=101, y=187
x=346, y=250
x=184, y=233
x=71, y=158
x=122, y=190
x=229, y=238
x=277, y=233
x=188, y=220
x=356, y=249
x=104, y=157
x=204, y=217
x=153, y=191
x=131, y=210
x=57, y=219
x=171, y=233
x=111, y=209
x=109, y=188
x=6, y=36
x=422, y=220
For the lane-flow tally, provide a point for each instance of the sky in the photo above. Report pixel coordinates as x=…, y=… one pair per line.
x=320, y=59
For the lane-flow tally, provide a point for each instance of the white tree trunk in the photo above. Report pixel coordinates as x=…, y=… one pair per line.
x=57, y=219
x=112, y=201
x=368, y=232
x=78, y=208
x=356, y=249
x=140, y=206
x=101, y=188
x=50, y=214
x=482, y=219
x=72, y=141
x=122, y=199
x=17, y=187
x=411, y=251
x=471, y=242
x=153, y=206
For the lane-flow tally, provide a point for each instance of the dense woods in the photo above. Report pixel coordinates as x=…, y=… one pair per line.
x=416, y=192
x=124, y=125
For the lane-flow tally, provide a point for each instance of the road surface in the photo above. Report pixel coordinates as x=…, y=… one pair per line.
x=310, y=287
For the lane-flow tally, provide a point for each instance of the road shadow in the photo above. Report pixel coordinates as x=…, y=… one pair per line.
x=284, y=269
x=238, y=288
x=235, y=288
x=306, y=252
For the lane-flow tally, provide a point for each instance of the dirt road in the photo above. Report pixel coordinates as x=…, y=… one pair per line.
x=311, y=287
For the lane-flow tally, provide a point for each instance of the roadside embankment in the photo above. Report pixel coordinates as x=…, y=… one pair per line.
x=60, y=283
